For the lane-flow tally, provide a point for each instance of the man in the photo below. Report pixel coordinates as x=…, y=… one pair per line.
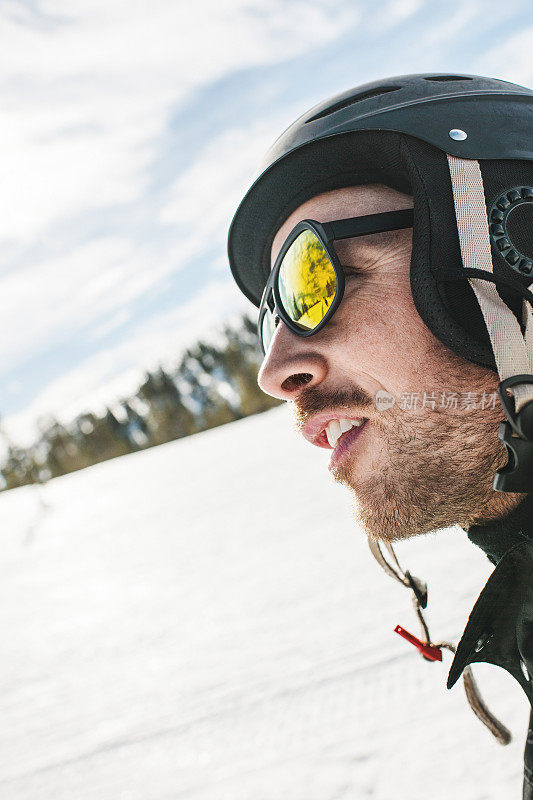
x=389, y=245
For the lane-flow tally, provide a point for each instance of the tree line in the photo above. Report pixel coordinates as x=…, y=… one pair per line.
x=212, y=384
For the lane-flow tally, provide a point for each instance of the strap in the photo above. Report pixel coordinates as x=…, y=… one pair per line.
x=464, y=273
x=473, y=695
x=397, y=573
x=513, y=352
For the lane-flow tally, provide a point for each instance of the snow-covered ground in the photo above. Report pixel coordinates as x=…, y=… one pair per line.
x=204, y=620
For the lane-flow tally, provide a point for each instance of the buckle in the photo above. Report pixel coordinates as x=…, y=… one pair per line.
x=517, y=436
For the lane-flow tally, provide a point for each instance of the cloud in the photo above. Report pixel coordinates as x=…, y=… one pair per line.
x=131, y=131
x=92, y=240
x=115, y=372
x=204, y=197
x=85, y=96
x=513, y=57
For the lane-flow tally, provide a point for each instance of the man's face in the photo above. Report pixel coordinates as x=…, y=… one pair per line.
x=427, y=461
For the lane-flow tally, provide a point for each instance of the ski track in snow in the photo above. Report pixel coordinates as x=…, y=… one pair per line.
x=204, y=620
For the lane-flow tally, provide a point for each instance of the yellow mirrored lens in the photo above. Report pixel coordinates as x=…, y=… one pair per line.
x=307, y=281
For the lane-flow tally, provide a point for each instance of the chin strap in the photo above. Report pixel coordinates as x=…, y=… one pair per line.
x=513, y=351
x=429, y=650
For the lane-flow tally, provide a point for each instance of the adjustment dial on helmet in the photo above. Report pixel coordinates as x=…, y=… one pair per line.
x=511, y=228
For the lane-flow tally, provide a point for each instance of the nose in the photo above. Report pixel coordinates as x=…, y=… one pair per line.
x=291, y=363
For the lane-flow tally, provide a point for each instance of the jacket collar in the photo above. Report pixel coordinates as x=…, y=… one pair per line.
x=500, y=627
x=498, y=537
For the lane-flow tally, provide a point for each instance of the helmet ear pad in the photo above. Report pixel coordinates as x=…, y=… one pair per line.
x=449, y=307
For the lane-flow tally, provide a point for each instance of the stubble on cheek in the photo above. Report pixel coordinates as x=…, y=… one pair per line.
x=426, y=471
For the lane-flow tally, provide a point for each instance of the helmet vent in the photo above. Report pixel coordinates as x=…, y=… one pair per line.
x=351, y=100
x=446, y=78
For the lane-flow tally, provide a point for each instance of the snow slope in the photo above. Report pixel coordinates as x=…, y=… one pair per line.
x=204, y=620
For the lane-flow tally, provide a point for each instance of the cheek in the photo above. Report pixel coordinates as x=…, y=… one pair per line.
x=382, y=334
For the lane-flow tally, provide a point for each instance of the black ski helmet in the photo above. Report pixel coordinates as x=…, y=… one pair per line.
x=399, y=132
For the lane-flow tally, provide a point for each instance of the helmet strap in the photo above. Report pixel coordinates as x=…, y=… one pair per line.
x=513, y=351
x=429, y=650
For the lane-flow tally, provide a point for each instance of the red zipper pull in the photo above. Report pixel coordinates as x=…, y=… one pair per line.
x=429, y=651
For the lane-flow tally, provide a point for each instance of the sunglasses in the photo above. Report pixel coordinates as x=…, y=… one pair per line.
x=306, y=285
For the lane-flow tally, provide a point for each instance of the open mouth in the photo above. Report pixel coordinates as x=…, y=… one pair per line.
x=344, y=443
x=334, y=433
x=336, y=428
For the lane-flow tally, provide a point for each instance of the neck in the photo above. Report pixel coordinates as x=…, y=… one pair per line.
x=497, y=536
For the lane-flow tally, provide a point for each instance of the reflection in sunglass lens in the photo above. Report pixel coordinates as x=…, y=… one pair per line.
x=268, y=327
x=307, y=282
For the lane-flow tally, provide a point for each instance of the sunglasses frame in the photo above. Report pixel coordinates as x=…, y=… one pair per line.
x=326, y=233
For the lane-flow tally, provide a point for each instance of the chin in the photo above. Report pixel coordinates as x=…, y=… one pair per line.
x=381, y=516
x=390, y=508
x=380, y=507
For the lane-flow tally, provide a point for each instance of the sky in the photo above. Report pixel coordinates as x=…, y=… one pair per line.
x=129, y=131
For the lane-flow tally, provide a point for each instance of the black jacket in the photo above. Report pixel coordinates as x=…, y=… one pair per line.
x=500, y=627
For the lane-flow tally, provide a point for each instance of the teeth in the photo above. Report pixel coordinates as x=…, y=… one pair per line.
x=337, y=427
x=333, y=431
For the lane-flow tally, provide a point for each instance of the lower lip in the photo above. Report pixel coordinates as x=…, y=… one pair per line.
x=344, y=445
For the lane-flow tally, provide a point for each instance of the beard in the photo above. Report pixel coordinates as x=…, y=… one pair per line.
x=424, y=470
